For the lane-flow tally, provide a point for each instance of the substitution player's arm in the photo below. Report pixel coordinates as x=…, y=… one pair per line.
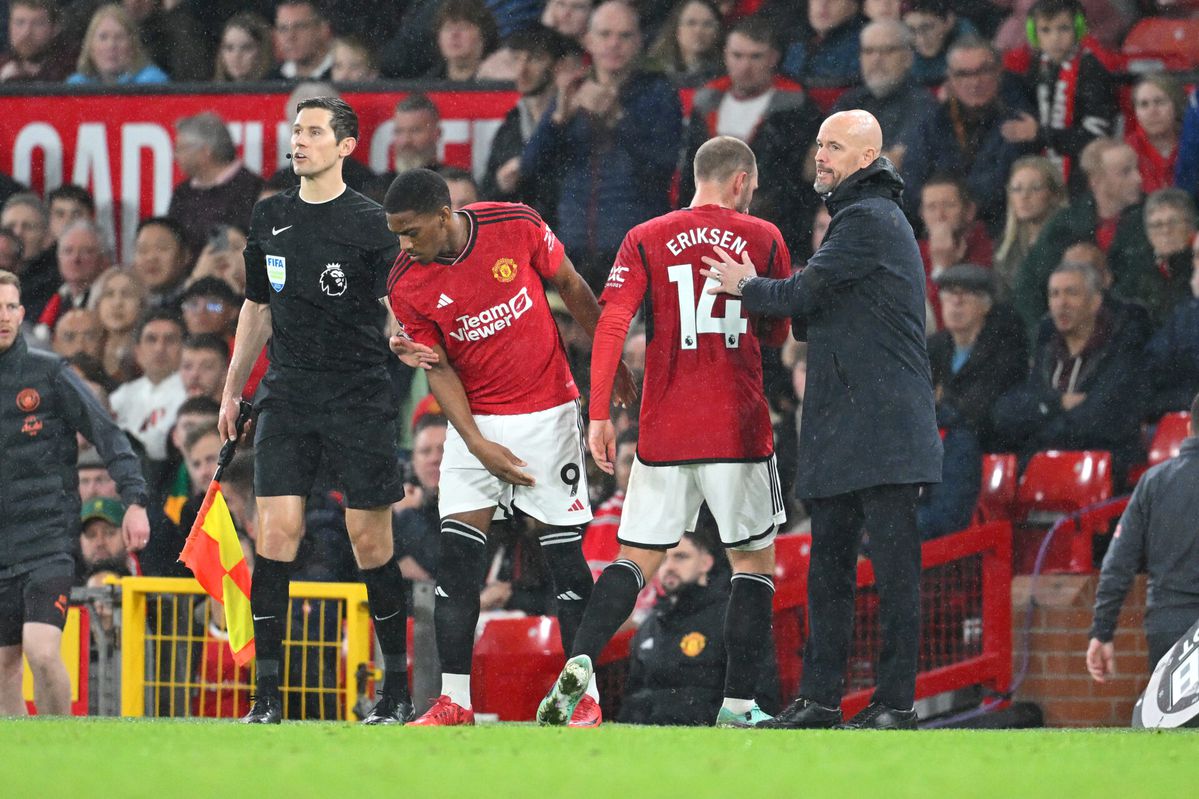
x=253, y=332
x=609, y=339
x=451, y=396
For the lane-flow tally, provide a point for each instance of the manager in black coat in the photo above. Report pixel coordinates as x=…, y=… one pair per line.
x=869, y=433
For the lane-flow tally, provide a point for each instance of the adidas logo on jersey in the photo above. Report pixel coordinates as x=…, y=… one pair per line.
x=491, y=321
x=443, y=301
x=577, y=505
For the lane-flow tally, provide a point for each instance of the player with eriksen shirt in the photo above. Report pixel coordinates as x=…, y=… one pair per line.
x=702, y=360
x=467, y=290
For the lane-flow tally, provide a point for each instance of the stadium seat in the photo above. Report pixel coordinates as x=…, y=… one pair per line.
x=1156, y=43
x=1171, y=430
x=1058, y=482
x=998, y=492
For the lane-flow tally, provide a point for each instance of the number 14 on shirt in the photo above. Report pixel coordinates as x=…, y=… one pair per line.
x=695, y=319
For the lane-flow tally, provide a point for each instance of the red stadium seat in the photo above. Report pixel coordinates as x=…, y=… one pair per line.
x=1157, y=42
x=1057, y=482
x=1171, y=430
x=998, y=493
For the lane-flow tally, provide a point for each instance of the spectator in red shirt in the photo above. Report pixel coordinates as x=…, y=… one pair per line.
x=1159, y=102
x=952, y=233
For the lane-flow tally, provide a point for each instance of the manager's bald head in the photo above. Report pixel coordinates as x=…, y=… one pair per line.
x=848, y=141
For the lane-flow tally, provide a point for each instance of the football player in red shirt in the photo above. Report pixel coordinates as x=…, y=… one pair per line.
x=702, y=360
x=467, y=291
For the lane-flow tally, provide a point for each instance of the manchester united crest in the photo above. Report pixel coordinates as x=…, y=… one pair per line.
x=693, y=643
x=28, y=400
x=504, y=270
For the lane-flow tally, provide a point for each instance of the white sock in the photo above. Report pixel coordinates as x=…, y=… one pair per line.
x=457, y=688
x=738, y=706
x=592, y=691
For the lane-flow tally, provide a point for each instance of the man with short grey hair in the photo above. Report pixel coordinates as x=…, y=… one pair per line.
x=1086, y=387
x=26, y=216
x=217, y=189
x=888, y=91
x=1164, y=280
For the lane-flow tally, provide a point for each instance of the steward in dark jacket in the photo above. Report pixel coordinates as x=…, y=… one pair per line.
x=43, y=404
x=868, y=438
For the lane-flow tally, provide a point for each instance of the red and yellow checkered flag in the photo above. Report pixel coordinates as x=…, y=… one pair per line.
x=214, y=554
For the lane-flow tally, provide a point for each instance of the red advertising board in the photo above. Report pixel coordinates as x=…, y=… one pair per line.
x=120, y=146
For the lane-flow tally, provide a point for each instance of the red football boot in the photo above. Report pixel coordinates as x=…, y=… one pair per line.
x=587, y=713
x=445, y=713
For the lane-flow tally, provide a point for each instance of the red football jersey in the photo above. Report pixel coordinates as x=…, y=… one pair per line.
x=702, y=399
x=487, y=308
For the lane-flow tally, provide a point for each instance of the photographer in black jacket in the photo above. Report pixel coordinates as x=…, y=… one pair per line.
x=43, y=405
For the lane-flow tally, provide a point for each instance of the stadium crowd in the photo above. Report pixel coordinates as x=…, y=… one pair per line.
x=1055, y=212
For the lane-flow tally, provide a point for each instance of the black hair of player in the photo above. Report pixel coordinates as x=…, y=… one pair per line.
x=342, y=118
x=208, y=341
x=163, y=314
x=78, y=194
x=422, y=191
x=206, y=405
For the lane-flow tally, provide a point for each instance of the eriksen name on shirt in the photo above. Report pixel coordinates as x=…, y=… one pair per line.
x=725, y=239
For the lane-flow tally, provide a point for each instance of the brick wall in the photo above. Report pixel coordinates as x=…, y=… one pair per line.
x=1057, y=677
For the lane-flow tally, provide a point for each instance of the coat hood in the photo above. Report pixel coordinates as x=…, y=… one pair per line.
x=877, y=179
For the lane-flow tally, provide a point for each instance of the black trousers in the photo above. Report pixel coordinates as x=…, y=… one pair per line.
x=889, y=514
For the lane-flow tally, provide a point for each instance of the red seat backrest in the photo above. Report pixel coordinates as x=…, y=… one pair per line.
x=998, y=492
x=1171, y=430
x=1174, y=42
x=1057, y=481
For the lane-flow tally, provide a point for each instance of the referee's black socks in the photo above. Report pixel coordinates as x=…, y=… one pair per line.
x=612, y=601
x=460, y=572
x=268, y=606
x=747, y=636
x=563, y=551
x=389, y=609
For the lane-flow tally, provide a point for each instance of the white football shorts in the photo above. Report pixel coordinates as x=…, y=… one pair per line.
x=549, y=441
x=663, y=501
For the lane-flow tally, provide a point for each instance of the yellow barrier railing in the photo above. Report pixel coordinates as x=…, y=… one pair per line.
x=175, y=660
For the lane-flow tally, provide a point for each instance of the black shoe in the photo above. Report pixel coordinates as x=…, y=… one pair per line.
x=803, y=714
x=267, y=709
x=391, y=710
x=877, y=716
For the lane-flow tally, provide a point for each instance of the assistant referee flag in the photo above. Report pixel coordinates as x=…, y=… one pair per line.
x=214, y=554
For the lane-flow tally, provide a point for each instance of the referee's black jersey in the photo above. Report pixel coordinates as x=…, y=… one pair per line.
x=322, y=267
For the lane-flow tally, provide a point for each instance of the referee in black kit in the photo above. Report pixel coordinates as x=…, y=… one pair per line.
x=317, y=259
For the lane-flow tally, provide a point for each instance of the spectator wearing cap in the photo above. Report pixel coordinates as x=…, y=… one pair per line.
x=210, y=306
x=613, y=136
x=538, y=54
x=217, y=188
x=94, y=479
x=1086, y=387
x=101, y=547
x=981, y=353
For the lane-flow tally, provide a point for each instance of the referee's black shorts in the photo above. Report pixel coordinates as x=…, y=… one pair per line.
x=38, y=595
x=355, y=451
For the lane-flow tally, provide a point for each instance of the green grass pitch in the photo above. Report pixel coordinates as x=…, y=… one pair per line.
x=125, y=759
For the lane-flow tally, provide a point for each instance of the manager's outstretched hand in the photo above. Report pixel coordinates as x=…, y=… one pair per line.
x=728, y=273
